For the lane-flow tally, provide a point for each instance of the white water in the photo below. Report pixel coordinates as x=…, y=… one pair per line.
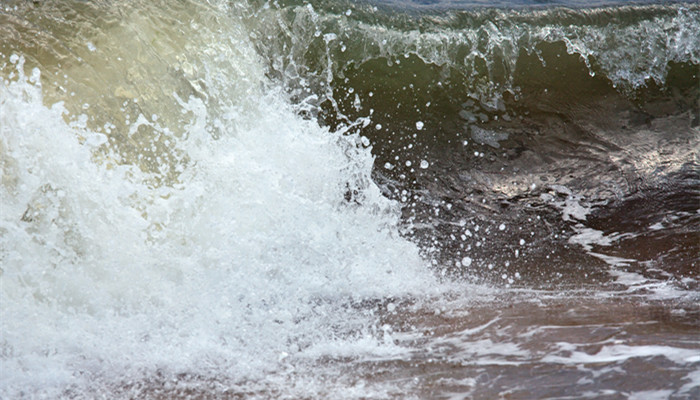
x=249, y=257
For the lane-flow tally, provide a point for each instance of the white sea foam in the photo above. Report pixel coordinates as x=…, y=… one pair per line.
x=630, y=55
x=694, y=380
x=622, y=352
x=252, y=255
x=651, y=395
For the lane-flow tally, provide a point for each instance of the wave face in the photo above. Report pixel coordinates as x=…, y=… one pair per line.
x=488, y=116
x=248, y=199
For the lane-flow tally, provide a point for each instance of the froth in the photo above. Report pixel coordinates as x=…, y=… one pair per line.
x=258, y=248
x=625, y=45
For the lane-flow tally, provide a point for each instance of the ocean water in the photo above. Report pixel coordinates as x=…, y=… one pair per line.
x=349, y=200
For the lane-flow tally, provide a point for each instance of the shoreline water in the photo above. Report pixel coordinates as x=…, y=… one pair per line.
x=527, y=345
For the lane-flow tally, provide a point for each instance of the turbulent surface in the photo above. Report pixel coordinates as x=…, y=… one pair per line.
x=491, y=116
x=404, y=199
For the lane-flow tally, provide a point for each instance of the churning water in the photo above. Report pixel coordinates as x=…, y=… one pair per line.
x=329, y=199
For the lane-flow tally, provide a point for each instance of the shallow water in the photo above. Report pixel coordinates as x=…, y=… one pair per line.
x=349, y=200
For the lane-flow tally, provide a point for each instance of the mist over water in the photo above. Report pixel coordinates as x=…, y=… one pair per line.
x=348, y=200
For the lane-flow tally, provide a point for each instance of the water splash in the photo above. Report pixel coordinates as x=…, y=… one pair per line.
x=248, y=254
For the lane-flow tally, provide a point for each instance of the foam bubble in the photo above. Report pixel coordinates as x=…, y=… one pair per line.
x=250, y=251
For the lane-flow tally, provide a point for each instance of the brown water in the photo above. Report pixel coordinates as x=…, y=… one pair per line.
x=513, y=345
x=581, y=346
